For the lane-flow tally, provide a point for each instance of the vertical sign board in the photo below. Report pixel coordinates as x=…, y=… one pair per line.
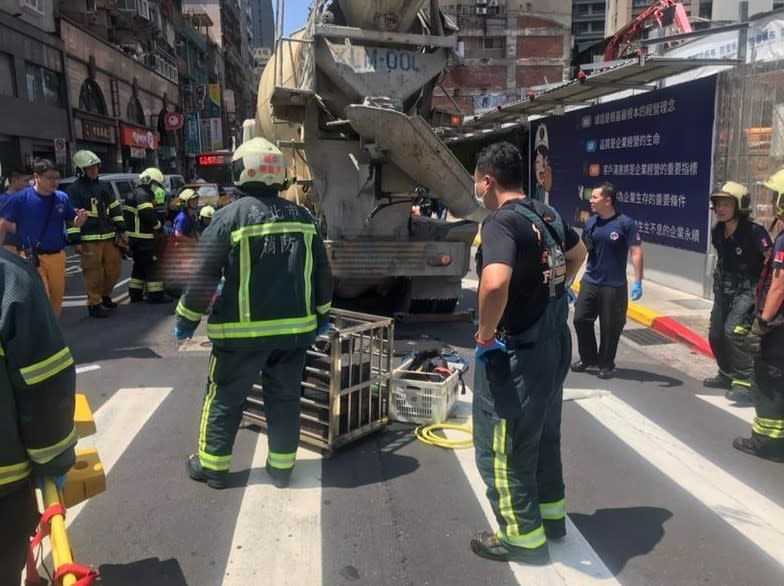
x=192, y=139
x=656, y=148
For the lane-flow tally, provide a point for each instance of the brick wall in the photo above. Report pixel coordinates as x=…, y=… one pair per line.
x=477, y=76
x=535, y=22
x=531, y=75
x=540, y=47
x=466, y=104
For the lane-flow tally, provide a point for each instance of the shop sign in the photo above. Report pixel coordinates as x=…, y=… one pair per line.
x=141, y=138
x=192, y=142
x=173, y=120
x=96, y=132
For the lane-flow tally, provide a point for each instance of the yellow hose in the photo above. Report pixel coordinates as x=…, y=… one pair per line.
x=61, y=550
x=426, y=434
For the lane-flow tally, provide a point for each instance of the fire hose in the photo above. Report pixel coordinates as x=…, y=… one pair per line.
x=426, y=434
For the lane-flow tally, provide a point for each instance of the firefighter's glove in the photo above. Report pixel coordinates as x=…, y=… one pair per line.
x=485, y=346
x=59, y=481
x=636, y=290
x=753, y=340
x=183, y=333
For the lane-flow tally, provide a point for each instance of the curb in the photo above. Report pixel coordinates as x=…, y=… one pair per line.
x=666, y=326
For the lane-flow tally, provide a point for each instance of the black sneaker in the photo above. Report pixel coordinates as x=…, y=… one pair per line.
x=606, y=373
x=97, y=311
x=108, y=303
x=581, y=366
x=280, y=478
x=718, y=382
x=554, y=529
x=753, y=448
x=740, y=394
x=213, y=479
x=487, y=545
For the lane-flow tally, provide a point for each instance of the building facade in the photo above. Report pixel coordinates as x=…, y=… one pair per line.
x=506, y=47
x=33, y=97
x=263, y=23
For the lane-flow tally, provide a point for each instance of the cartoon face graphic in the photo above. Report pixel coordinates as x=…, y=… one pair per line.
x=544, y=173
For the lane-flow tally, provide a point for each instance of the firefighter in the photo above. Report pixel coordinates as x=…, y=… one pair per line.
x=205, y=217
x=766, y=343
x=526, y=260
x=37, y=386
x=145, y=232
x=98, y=242
x=741, y=246
x=186, y=220
x=276, y=299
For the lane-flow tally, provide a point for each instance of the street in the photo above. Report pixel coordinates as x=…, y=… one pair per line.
x=655, y=493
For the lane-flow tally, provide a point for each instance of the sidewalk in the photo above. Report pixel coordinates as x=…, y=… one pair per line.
x=672, y=313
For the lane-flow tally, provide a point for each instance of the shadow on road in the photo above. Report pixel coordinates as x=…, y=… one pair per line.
x=149, y=571
x=643, y=376
x=619, y=535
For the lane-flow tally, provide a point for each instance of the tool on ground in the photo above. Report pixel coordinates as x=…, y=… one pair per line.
x=427, y=434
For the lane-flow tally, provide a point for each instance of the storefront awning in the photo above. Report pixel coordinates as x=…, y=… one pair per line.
x=631, y=74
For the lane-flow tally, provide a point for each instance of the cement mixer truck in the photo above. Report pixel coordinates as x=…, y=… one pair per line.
x=348, y=99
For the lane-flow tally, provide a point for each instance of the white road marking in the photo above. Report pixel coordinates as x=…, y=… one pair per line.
x=472, y=284
x=574, y=560
x=745, y=413
x=753, y=515
x=84, y=297
x=87, y=368
x=260, y=542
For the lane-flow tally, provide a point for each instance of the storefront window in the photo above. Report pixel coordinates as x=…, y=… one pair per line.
x=91, y=98
x=7, y=78
x=43, y=85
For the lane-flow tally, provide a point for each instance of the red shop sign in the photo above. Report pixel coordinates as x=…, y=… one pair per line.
x=141, y=138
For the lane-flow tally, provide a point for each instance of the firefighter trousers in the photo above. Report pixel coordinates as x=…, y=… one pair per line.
x=231, y=376
x=768, y=427
x=730, y=320
x=144, y=275
x=517, y=434
x=19, y=514
x=101, y=266
x=609, y=304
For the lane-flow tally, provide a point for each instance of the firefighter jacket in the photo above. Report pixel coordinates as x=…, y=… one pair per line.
x=37, y=381
x=104, y=212
x=742, y=256
x=142, y=221
x=278, y=284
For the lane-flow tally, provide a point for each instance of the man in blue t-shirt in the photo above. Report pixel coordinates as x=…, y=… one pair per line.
x=610, y=238
x=38, y=216
x=17, y=181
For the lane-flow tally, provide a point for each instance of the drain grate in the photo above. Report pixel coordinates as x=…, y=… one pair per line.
x=645, y=337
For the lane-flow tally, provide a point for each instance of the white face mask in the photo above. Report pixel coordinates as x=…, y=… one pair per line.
x=480, y=199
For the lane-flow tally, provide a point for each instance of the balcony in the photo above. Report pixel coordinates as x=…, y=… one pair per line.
x=139, y=8
x=163, y=65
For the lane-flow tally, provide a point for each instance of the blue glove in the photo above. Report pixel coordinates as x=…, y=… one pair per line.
x=183, y=333
x=323, y=329
x=59, y=481
x=636, y=290
x=480, y=350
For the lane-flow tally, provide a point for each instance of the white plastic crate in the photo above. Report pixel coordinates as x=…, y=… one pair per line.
x=413, y=400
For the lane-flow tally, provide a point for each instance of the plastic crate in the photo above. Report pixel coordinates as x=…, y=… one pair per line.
x=422, y=398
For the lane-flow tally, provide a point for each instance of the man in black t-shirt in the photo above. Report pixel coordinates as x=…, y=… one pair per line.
x=527, y=258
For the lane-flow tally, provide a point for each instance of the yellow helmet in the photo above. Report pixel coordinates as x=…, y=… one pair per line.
x=151, y=175
x=207, y=212
x=776, y=184
x=84, y=159
x=734, y=191
x=259, y=163
x=187, y=194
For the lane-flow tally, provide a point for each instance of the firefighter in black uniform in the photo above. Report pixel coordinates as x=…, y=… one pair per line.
x=766, y=343
x=527, y=258
x=145, y=232
x=741, y=246
x=37, y=385
x=276, y=298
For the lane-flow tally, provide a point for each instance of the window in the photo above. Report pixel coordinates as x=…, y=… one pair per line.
x=135, y=112
x=34, y=5
x=91, y=98
x=494, y=43
x=7, y=78
x=43, y=85
x=124, y=188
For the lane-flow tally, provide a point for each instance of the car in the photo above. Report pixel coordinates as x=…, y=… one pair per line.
x=122, y=184
x=173, y=184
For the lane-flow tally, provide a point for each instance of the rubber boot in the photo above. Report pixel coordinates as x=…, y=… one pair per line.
x=213, y=478
x=718, y=382
x=97, y=311
x=488, y=546
x=108, y=303
x=754, y=448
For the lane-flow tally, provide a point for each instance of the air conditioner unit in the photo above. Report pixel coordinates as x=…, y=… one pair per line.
x=494, y=3
x=481, y=10
x=481, y=2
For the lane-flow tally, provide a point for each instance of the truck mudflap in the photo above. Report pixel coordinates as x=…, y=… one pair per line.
x=410, y=143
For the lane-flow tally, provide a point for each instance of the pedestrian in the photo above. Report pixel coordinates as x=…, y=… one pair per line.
x=39, y=216
x=276, y=298
x=37, y=386
x=16, y=181
x=145, y=238
x=611, y=238
x=98, y=242
x=186, y=221
x=525, y=262
x=765, y=342
x=741, y=247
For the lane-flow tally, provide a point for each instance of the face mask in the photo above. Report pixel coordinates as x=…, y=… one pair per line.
x=479, y=199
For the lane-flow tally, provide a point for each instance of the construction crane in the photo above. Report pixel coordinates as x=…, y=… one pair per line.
x=663, y=12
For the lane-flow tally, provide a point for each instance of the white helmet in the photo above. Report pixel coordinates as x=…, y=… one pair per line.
x=187, y=194
x=151, y=175
x=259, y=163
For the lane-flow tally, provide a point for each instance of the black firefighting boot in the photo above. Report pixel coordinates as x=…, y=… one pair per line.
x=213, y=478
x=280, y=478
x=554, y=528
x=97, y=311
x=487, y=545
x=740, y=394
x=108, y=303
x=718, y=382
x=749, y=445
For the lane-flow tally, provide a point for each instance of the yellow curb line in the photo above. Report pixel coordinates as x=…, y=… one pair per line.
x=635, y=311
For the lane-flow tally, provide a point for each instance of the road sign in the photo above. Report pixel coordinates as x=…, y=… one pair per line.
x=60, y=150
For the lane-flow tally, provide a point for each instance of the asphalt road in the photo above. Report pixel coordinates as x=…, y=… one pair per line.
x=656, y=494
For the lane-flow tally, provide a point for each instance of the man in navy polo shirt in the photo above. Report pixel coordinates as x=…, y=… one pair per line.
x=17, y=181
x=38, y=216
x=610, y=238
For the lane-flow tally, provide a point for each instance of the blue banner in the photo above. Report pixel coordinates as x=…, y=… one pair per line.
x=192, y=126
x=655, y=148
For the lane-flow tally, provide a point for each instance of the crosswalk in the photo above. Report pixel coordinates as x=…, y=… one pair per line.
x=277, y=537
